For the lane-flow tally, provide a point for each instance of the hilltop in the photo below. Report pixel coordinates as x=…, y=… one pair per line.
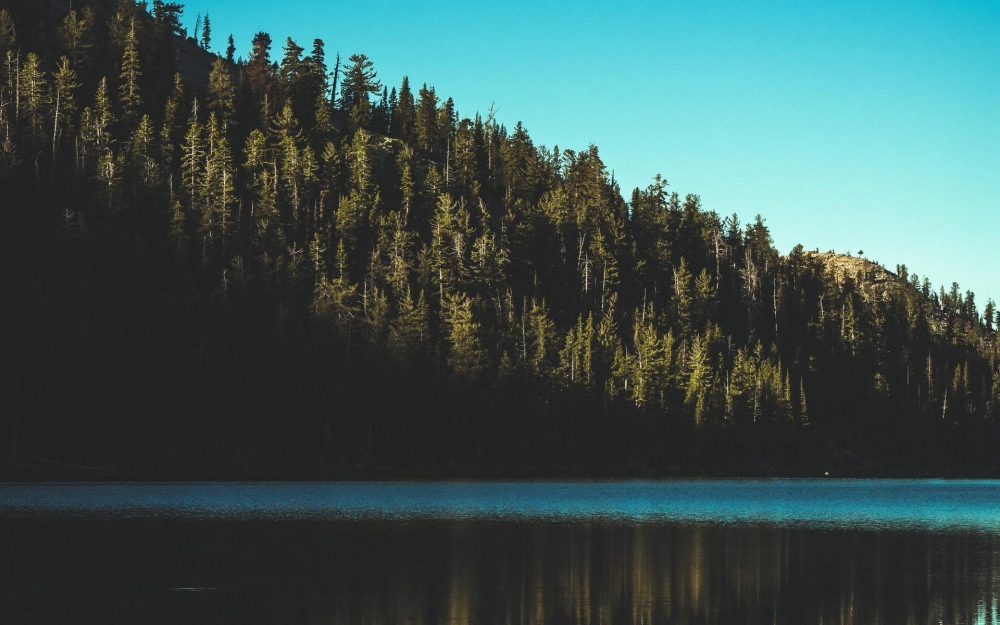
x=860, y=269
x=289, y=269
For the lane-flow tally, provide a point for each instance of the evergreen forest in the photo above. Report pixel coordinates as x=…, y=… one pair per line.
x=290, y=266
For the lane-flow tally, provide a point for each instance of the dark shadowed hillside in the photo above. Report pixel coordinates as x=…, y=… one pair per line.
x=291, y=266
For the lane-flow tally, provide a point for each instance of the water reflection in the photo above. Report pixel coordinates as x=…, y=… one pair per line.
x=471, y=572
x=933, y=505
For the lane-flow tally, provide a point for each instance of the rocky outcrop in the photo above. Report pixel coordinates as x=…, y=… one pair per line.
x=871, y=278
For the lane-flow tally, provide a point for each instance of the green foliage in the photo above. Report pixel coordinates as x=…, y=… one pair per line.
x=64, y=106
x=192, y=160
x=34, y=98
x=466, y=354
x=221, y=97
x=206, y=34
x=294, y=240
x=8, y=34
x=360, y=81
x=170, y=133
x=77, y=36
x=404, y=115
x=129, y=98
x=143, y=167
x=426, y=122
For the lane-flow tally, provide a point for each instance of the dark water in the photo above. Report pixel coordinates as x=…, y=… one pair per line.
x=636, y=552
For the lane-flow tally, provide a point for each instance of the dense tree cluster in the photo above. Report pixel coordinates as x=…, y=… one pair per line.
x=299, y=268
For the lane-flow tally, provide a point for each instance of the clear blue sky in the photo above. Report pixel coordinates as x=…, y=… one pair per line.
x=850, y=126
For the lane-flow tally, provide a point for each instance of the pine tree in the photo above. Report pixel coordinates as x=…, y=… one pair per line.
x=391, y=105
x=405, y=162
x=64, y=106
x=464, y=158
x=192, y=161
x=123, y=23
x=167, y=16
x=466, y=354
x=425, y=123
x=290, y=162
x=363, y=198
x=109, y=178
x=260, y=73
x=576, y=357
x=360, y=81
x=704, y=304
x=142, y=163
x=333, y=305
x=260, y=167
x=699, y=376
x=206, y=34
x=682, y=302
x=231, y=50
x=221, y=97
x=403, y=116
x=445, y=133
x=317, y=253
x=450, y=234
x=332, y=172
x=318, y=85
x=217, y=192
x=291, y=60
x=95, y=127
x=289, y=71
x=409, y=331
x=76, y=36
x=129, y=90
x=34, y=98
x=380, y=114
x=8, y=34
x=170, y=132
x=177, y=235
x=489, y=264
x=649, y=370
x=608, y=347
x=400, y=251
x=803, y=407
x=542, y=333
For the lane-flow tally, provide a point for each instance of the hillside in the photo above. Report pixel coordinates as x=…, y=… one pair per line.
x=860, y=269
x=259, y=274
x=42, y=20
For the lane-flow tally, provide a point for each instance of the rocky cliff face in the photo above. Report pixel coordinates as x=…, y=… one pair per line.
x=861, y=270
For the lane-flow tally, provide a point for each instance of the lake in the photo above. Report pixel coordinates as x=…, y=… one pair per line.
x=693, y=552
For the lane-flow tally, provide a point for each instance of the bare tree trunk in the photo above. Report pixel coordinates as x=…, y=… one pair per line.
x=718, y=277
x=55, y=130
x=774, y=300
x=604, y=284
x=17, y=90
x=336, y=74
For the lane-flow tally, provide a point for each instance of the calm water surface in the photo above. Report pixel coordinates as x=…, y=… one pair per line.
x=775, y=551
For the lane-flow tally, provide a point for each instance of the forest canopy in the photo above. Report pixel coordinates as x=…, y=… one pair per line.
x=291, y=265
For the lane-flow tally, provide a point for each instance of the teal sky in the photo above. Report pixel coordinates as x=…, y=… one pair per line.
x=850, y=126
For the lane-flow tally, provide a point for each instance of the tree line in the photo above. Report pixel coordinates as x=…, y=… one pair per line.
x=280, y=265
